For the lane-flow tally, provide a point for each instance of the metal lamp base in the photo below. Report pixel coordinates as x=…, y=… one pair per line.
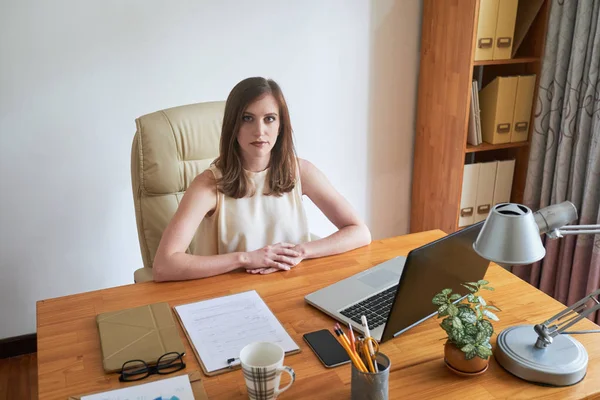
x=563, y=363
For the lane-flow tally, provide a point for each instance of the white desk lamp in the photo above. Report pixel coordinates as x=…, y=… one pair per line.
x=543, y=353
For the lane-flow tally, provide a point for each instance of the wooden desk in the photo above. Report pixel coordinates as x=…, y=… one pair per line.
x=69, y=357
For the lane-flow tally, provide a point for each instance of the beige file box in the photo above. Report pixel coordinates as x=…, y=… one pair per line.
x=469, y=195
x=523, y=104
x=497, y=102
x=505, y=29
x=485, y=190
x=486, y=29
x=504, y=180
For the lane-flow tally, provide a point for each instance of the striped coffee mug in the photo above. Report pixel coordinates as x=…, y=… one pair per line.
x=262, y=365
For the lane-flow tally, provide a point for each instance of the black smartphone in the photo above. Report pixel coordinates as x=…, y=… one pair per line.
x=327, y=348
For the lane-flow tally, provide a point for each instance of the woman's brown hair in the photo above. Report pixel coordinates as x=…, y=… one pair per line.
x=281, y=176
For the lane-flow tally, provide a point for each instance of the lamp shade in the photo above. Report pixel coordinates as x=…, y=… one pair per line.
x=510, y=236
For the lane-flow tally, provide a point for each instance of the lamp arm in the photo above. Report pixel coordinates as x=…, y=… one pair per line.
x=575, y=230
x=554, y=221
x=565, y=319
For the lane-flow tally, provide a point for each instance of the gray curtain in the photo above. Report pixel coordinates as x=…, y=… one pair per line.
x=564, y=161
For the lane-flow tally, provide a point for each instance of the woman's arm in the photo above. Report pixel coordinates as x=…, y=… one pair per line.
x=352, y=231
x=171, y=262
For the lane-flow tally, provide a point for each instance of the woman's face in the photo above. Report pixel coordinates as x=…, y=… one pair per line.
x=259, y=127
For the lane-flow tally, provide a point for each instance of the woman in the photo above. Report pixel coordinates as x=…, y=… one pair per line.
x=252, y=195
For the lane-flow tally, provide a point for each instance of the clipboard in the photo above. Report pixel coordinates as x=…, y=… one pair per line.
x=195, y=381
x=233, y=363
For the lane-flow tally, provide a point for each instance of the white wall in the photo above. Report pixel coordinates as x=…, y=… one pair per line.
x=394, y=68
x=75, y=74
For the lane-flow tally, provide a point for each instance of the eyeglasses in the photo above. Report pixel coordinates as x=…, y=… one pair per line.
x=136, y=370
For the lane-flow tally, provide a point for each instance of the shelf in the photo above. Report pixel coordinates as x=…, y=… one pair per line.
x=520, y=60
x=441, y=126
x=487, y=147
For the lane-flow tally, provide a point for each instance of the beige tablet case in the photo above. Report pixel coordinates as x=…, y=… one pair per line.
x=141, y=333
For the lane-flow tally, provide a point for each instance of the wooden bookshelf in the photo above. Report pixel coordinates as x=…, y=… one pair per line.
x=518, y=60
x=489, y=147
x=447, y=68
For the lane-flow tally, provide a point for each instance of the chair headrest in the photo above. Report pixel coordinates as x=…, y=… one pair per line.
x=176, y=144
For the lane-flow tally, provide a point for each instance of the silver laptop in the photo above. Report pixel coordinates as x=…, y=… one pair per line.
x=396, y=294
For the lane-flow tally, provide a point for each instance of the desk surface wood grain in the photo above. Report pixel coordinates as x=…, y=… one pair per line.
x=69, y=356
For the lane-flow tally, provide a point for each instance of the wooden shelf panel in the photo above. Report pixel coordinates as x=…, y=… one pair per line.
x=519, y=60
x=487, y=147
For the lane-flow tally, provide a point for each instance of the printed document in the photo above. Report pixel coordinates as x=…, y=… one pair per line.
x=220, y=328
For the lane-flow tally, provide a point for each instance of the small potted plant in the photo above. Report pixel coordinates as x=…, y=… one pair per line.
x=467, y=324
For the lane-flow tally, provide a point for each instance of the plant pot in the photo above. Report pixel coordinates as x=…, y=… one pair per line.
x=457, y=360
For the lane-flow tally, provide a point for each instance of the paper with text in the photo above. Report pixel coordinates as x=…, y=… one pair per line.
x=177, y=388
x=220, y=328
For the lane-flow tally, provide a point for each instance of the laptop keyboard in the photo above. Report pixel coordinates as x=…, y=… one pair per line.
x=376, y=308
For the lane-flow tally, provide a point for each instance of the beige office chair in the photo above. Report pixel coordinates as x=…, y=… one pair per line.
x=170, y=148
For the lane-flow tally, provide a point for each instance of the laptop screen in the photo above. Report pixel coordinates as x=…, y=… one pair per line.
x=445, y=263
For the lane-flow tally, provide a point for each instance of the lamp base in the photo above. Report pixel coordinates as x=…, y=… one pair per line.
x=563, y=363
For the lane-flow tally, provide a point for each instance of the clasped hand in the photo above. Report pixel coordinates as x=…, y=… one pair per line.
x=273, y=258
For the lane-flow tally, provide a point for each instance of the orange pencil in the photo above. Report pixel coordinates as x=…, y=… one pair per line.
x=344, y=337
x=352, y=338
x=357, y=361
x=368, y=361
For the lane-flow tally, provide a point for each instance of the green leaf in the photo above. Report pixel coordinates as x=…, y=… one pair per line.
x=468, y=348
x=468, y=318
x=470, y=355
x=471, y=298
x=491, y=315
x=452, y=310
x=457, y=335
x=483, y=352
x=471, y=331
x=446, y=291
x=487, y=288
x=455, y=296
x=470, y=288
x=468, y=339
x=481, y=301
x=485, y=326
x=476, y=284
x=439, y=299
x=467, y=315
x=479, y=314
x=443, y=310
x=456, y=323
x=482, y=282
x=481, y=337
x=446, y=325
x=493, y=308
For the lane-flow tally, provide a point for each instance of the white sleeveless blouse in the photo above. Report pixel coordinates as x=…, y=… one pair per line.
x=251, y=223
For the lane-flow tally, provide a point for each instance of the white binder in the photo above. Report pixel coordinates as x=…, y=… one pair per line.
x=478, y=112
x=504, y=179
x=485, y=190
x=468, y=195
x=474, y=136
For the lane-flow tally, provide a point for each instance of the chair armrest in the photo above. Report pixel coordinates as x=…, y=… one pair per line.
x=143, y=275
